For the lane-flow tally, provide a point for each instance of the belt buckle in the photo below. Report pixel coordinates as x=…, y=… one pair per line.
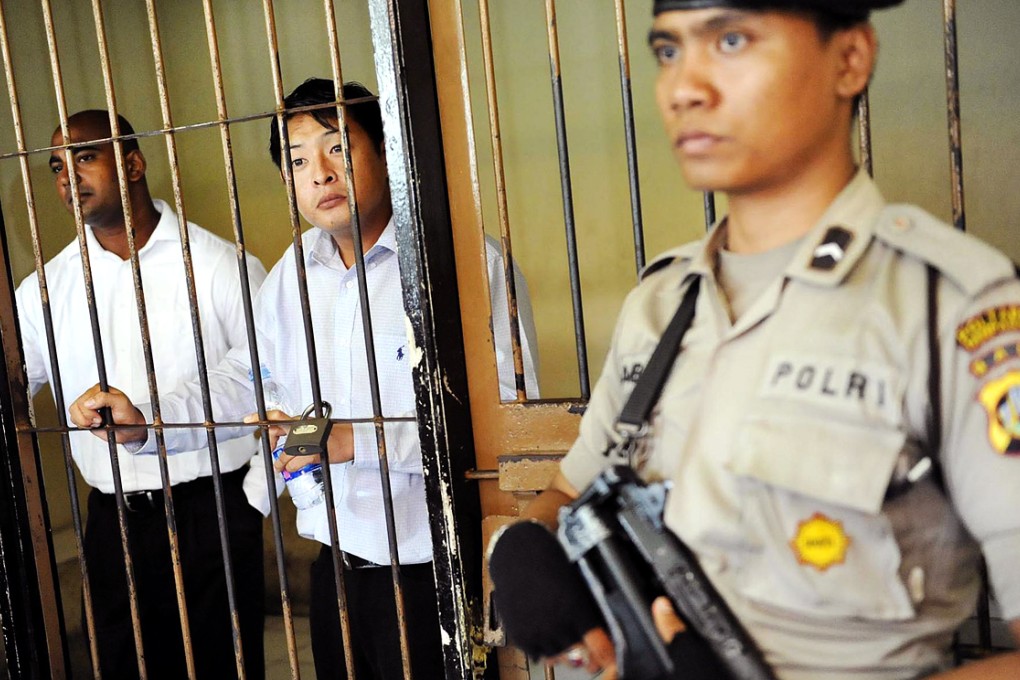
x=131, y=498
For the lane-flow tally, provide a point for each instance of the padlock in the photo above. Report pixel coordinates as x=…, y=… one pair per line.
x=308, y=437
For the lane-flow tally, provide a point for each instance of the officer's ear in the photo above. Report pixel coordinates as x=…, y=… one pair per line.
x=856, y=48
x=134, y=165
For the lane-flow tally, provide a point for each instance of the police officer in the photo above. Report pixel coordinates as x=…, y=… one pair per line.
x=838, y=500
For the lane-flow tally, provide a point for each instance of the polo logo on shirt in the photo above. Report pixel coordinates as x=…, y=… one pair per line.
x=990, y=323
x=1001, y=399
x=401, y=353
x=832, y=249
x=848, y=384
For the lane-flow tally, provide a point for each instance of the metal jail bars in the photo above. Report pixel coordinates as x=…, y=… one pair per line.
x=462, y=160
x=39, y=647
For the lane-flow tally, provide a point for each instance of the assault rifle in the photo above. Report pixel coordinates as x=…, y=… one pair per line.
x=615, y=532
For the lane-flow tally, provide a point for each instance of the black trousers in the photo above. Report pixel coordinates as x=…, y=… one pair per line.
x=204, y=582
x=375, y=637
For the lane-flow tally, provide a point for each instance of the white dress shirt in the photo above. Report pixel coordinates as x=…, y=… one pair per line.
x=344, y=382
x=168, y=306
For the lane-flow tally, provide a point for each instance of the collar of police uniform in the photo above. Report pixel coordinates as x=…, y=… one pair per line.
x=830, y=248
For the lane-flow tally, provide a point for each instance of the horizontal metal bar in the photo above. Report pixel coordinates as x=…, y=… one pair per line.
x=477, y=475
x=183, y=128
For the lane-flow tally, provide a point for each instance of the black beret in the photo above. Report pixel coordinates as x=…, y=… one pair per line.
x=849, y=9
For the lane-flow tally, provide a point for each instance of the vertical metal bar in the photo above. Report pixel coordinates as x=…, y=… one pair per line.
x=496, y=138
x=202, y=368
x=407, y=83
x=249, y=319
x=630, y=135
x=373, y=375
x=150, y=368
x=983, y=613
x=984, y=617
x=953, y=113
x=864, y=131
x=373, y=372
x=57, y=387
x=90, y=299
x=708, y=199
x=24, y=596
x=568, y=200
x=299, y=262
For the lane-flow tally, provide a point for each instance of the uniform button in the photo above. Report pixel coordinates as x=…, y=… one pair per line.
x=903, y=223
x=915, y=584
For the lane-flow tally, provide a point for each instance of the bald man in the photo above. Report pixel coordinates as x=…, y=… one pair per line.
x=168, y=305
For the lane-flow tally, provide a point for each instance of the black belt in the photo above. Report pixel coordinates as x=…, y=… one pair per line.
x=150, y=500
x=354, y=562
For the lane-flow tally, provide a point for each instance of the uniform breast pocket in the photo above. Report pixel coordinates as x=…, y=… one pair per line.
x=811, y=507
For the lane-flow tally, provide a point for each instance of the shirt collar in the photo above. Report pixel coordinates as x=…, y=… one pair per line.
x=830, y=249
x=166, y=230
x=322, y=249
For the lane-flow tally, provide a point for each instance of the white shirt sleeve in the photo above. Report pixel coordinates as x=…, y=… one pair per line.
x=33, y=336
x=230, y=389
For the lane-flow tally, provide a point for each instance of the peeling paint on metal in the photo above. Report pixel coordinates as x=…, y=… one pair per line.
x=414, y=352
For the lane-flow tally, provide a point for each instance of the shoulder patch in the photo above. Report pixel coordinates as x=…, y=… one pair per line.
x=680, y=254
x=966, y=261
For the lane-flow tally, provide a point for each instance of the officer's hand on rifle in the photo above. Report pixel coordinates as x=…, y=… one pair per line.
x=666, y=621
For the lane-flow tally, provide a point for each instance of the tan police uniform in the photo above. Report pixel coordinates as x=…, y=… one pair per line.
x=782, y=431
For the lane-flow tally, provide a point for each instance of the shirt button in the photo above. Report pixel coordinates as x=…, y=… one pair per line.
x=349, y=284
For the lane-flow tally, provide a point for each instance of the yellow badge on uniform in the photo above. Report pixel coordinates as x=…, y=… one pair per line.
x=1001, y=399
x=983, y=365
x=977, y=330
x=820, y=542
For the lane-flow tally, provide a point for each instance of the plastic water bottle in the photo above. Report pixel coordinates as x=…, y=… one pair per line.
x=304, y=485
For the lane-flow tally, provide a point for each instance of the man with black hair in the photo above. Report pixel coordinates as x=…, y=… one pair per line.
x=315, y=158
x=219, y=296
x=840, y=424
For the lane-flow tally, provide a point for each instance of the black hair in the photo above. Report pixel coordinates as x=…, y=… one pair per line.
x=102, y=117
x=322, y=91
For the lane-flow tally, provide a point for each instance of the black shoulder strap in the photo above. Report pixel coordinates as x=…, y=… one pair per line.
x=635, y=412
x=934, y=379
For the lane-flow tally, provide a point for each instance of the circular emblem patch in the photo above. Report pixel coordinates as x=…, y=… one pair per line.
x=820, y=542
x=1001, y=399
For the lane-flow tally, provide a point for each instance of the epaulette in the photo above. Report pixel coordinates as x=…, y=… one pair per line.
x=968, y=262
x=663, y=260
